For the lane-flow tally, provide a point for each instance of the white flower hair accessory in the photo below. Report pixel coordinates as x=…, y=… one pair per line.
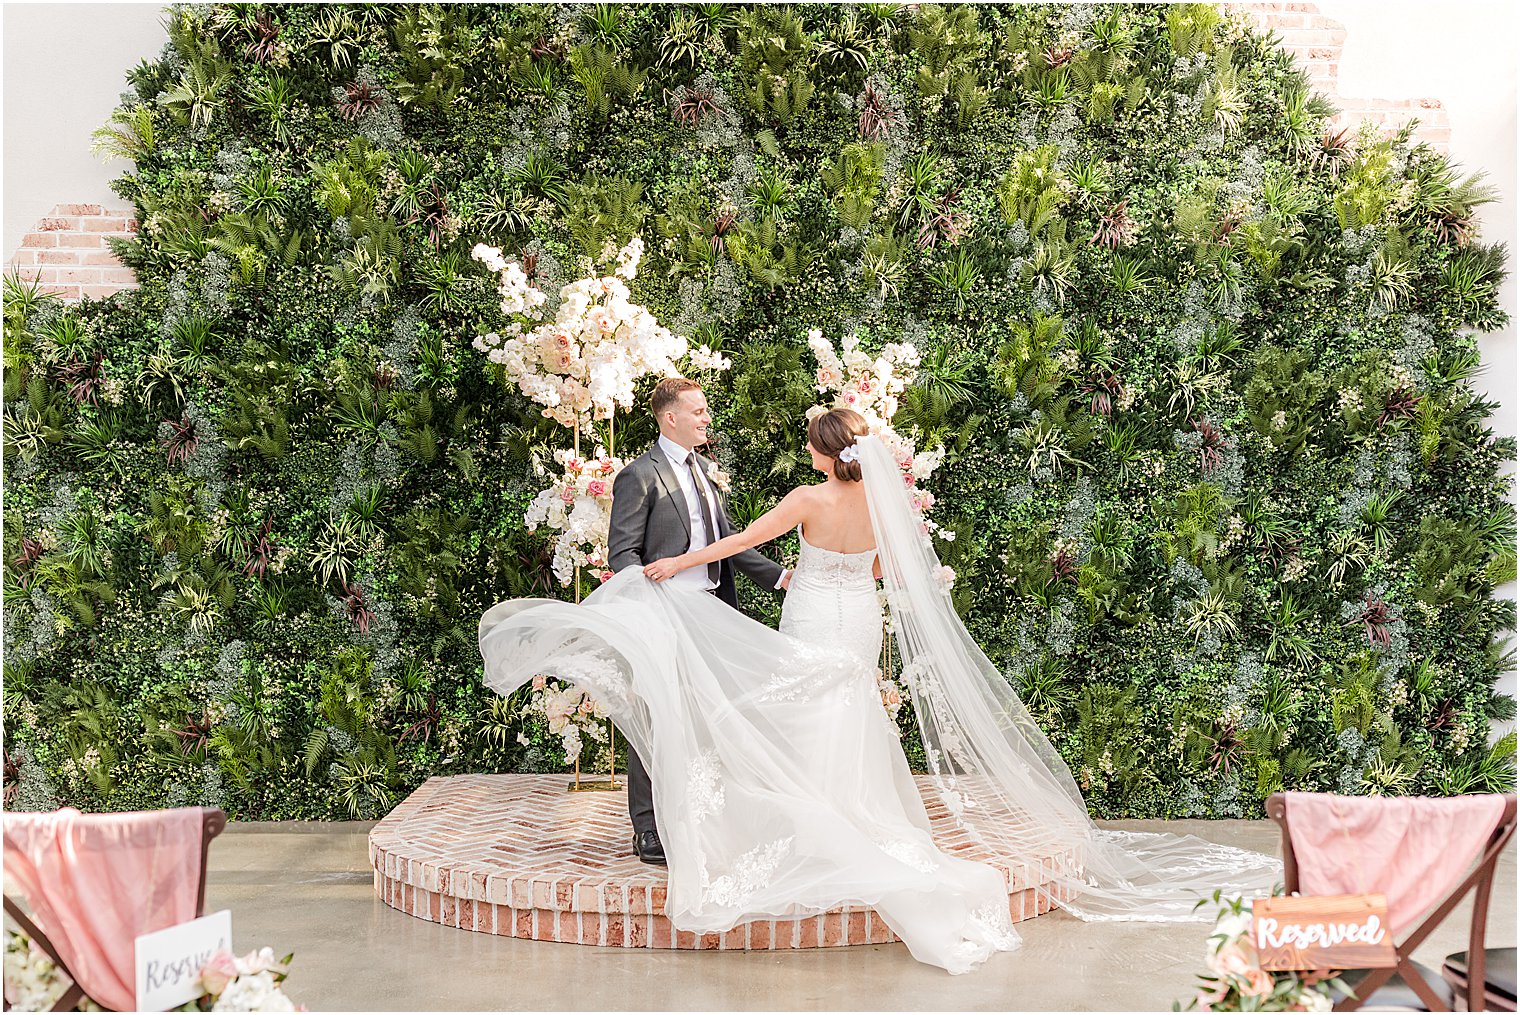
x=850, y=453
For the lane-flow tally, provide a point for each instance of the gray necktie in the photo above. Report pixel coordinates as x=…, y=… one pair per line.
x=715, y=569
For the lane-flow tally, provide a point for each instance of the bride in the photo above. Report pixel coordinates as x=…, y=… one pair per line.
x=778, y=777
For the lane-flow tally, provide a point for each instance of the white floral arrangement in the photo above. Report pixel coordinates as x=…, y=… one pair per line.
x=1235, y=980
x=579, y=507
x=250, y=983
x=572, y=714
x=33, y=982
x=583, y=365
x=870, y=385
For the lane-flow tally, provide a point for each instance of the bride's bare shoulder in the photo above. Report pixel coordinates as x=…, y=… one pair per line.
x=812, y=495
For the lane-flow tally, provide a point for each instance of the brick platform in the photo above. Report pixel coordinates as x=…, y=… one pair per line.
x=519, y=856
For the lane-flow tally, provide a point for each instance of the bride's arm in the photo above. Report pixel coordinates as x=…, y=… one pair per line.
x=777, y=521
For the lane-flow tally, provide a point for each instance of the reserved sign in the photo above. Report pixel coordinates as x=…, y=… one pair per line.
x=1323, y=932
x=169, y=961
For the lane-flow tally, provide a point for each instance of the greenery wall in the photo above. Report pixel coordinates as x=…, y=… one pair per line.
x=1228, y=509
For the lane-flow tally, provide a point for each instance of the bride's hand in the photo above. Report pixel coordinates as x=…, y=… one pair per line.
x=660, y=570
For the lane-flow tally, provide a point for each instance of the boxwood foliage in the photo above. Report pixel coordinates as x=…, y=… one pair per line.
x=1227, y=507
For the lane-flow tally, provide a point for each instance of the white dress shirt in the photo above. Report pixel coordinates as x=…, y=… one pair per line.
x=675, y=454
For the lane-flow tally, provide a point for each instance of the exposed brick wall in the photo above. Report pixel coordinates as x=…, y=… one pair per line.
x=67, y=252
x=1316, y=43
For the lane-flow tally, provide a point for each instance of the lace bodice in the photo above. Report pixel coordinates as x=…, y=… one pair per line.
x=832, y=602
x=832, y=567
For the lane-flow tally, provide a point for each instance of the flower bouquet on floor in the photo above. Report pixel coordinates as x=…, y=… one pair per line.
x=33, y=982
x=250, y=983
x=1235, y=980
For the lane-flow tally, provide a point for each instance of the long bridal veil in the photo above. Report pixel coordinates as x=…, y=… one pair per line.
x=995, y=769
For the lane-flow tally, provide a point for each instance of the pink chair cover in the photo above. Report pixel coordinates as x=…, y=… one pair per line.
x=95, y=882
x=1413, y=850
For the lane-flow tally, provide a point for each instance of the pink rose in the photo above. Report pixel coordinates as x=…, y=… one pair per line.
x=605, y=576
x=1257, y=982
x=865, y=385
x=908, y=479
x=567, y=495
x=219, y=970
x=826, y=377
x=587, y=706
x=1229, y=961
x=539, y=682
x=574, y=464
x=597, y=488
x=893, y=699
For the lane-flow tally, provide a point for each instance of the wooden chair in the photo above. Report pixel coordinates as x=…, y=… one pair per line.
x=213, y=822
x=1416, y=982
x=1498, y=982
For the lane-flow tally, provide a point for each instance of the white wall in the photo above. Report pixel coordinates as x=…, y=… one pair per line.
x=65, y=64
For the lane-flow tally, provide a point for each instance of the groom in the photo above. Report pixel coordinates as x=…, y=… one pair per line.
x=664, y=504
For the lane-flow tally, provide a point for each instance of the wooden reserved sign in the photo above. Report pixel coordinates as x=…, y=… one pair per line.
x=1323, y=932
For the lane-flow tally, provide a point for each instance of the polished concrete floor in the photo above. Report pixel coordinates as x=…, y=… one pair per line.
x=307, y=888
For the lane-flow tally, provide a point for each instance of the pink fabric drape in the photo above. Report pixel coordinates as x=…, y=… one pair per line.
x=1413, y=850
x=95, y=882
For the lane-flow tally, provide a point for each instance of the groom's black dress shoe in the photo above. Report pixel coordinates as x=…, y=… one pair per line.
x=647, y=845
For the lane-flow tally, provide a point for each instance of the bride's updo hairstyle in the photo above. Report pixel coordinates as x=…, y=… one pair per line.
x=833, y=431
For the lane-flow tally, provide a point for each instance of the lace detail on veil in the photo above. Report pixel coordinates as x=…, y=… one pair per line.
x=598, y=672
x=704, y=786
x=909, y=853
x=994, y=920
x=752, y=873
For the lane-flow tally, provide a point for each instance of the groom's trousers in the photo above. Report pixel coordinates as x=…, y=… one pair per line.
x=640, y=792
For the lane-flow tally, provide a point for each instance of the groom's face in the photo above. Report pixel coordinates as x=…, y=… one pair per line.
x=686, y=421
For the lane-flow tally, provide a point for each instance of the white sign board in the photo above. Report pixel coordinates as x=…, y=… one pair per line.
x=169, y=961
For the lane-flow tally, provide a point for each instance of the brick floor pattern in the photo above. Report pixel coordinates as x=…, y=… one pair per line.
x=517, y=855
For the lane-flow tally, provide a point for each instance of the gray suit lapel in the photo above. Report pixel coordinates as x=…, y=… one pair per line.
x=663, y=468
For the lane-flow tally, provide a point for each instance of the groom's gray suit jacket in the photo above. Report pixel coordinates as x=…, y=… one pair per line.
x=650, y=521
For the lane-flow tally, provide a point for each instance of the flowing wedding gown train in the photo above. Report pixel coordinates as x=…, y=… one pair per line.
x=780, y=784
x=779, y=781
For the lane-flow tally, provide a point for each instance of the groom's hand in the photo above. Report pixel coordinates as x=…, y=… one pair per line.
x=786, y=580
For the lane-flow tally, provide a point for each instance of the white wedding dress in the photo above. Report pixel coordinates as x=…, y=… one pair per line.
x=780, y=785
